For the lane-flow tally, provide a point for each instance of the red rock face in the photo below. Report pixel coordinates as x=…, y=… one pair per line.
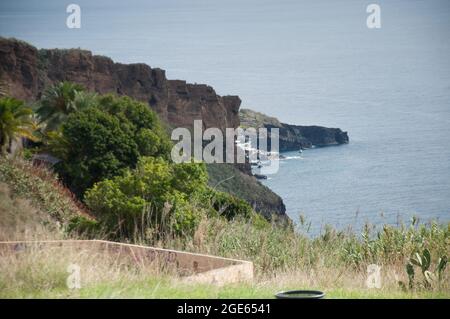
x=26, y=72
x=18, y=68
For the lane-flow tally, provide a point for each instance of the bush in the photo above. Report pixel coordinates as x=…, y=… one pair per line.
x=156, y=194
x=100, y=146
x=100, y=142
x=227, y=205
x=149, y=133
x=81, y=225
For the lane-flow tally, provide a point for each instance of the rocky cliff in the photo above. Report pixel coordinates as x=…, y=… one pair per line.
x=294, y=137
x=27, y=71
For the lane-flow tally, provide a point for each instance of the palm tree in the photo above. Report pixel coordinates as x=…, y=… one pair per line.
x=60, y=100
x=15, y=122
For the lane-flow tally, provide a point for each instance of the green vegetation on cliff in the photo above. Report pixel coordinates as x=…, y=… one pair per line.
x=228, y=178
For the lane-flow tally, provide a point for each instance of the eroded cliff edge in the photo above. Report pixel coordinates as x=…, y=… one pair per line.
x=27, y=71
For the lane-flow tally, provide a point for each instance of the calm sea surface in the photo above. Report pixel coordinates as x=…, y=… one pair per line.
x=311, y=62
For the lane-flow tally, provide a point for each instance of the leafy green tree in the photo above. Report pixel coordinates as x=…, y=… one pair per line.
x=101, y=141
x=150, y=134
x=15, y=122
x=60, y=100
x=93, y=145
x=149, y=196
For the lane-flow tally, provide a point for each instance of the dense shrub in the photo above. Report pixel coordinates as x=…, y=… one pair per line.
x=100, y=146
x=227, y=205
x=148, y=132
x=156, y=194
x=100, y=142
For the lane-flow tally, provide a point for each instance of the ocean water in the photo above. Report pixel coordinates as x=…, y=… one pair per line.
x=305, y=62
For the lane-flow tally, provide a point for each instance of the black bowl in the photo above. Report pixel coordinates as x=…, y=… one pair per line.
x=300, y=294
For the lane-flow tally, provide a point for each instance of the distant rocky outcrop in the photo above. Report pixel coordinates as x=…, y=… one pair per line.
x=294, y=137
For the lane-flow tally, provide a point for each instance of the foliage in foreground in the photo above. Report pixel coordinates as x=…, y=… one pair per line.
x=335, y=262
x=270, y=246
x=163, y=197
x=43, y=273
x=274, y=248
x=429, y=277
x=102, y=141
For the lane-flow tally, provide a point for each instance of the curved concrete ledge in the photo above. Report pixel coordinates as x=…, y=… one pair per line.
x=194, y=268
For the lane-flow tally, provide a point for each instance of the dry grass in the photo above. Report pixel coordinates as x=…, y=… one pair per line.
x=42, y=188
x=20, y=220
x=334, y=262
x=37, y=273
x=42, y=272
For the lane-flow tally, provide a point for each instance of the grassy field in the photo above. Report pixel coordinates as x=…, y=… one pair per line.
x=334, y=262
x=49, y=284
x=42, y=273
x=165, y=289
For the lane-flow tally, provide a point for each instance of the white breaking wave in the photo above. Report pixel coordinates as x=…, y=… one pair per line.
x=292, y=157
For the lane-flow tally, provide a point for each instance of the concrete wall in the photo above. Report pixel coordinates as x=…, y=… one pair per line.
x=195, y=268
